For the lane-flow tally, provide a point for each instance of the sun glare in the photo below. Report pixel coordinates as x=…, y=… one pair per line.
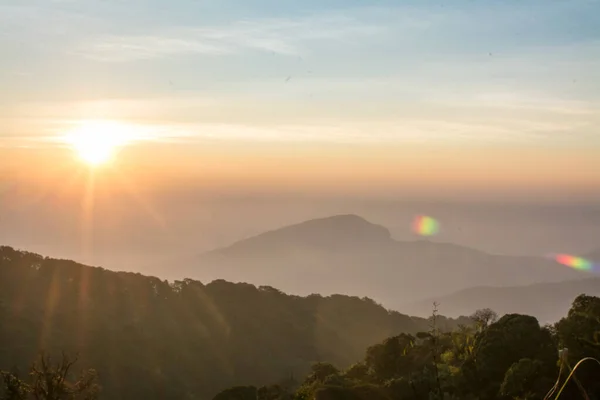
x=97, y=142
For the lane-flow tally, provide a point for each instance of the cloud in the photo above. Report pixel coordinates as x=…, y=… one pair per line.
x=459, y=129
x=117, y=49
x=380, y=75
x=391, y=132
x=399, y=131
x=365, y=111
x=284, y=36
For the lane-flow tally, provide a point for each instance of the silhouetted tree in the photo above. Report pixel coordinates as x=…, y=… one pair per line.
x=49, y=381
x=484, y=317
x=13, y=388
x=183, y=339
x=526, y=380
x=150, y=339
x=238, y=393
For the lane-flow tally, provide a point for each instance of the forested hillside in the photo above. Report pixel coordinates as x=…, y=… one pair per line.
x=151, y=339
x=512, y=358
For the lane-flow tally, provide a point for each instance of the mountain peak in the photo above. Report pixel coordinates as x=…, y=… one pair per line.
x=338, y=228
x=340, y=222
x=328, y=232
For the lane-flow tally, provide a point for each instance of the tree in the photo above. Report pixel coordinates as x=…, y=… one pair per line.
x=359, y=392
x=358, y=372
x=484, y=317
x=50, y=381
x=391, y=359
x=507, y=341
x=13, y=387
x=320, y=372
x=238, y=393
x=149, y=339
x=273, y=392
x=512, y=358
x=401, y=389
x=579, y=332
x=525, y=380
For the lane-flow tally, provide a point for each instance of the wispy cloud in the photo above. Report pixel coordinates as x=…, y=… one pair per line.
x=282, y=36
x=439, y=132
x=388, y=74
x=448, y=129
x=399, y=131
x=118, y=49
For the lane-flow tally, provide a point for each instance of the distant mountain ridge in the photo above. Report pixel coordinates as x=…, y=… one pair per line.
x=546, y=301
x=348, y=254
x=329, y=233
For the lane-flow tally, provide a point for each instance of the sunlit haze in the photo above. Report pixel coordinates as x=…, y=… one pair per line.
x=97, y=142
x=205, y=122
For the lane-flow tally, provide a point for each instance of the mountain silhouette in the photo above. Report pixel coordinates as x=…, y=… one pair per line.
x=347, y=254
x=330, y=233
x=548, y=302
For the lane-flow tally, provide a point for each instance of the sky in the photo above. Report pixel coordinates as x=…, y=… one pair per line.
x=317, y=77
x=461, y=100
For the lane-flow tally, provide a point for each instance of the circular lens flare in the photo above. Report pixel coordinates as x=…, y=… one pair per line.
x=425, y=226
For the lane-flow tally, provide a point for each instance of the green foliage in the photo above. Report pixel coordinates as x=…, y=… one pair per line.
x=238, y=393
x=273, y=392
x=49, y=381
x=511, y=358
x=400, y=389
x=391, y=358
x=506, y=342
x=320, y=372
x=358, y=372
x=484, y=317
x=526, y=380
x=13, y=388
x=359, y=392
x=579, y=332
x=151, y=339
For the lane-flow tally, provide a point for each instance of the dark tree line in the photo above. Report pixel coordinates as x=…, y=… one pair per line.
x=511, y=358
x=151, y=339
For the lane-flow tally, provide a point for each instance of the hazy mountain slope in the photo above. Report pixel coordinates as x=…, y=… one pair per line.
x=347, y=254
x=151, y=339
x=330, y=234
x=548, y=301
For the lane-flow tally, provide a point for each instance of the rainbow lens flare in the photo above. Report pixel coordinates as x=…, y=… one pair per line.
x=425, y=226
x=578, y=263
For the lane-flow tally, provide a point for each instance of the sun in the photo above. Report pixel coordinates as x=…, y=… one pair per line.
x=97, y=142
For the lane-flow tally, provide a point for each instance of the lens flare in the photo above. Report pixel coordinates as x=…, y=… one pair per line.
x=425, y=226
x=578, y=263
